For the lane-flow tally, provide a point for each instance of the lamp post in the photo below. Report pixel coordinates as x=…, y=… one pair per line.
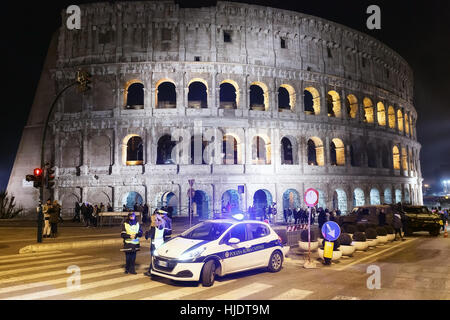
x=82, y=80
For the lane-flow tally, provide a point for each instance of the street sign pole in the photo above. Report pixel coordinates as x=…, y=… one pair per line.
x=311, y=199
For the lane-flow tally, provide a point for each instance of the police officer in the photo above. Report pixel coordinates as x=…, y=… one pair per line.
x=131, y=232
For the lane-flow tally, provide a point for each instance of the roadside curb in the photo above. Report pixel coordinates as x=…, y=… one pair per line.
x=70, y=245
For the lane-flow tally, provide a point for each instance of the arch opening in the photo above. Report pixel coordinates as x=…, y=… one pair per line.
x=358, y=197
x=166, y=95
x=164, y=150
x=197, y=95
x=315, y=152
x=311, y=101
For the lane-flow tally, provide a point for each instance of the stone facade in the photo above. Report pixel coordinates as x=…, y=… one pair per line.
x=360, y=90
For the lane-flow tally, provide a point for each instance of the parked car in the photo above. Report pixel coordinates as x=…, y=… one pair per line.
x=369, y=215
x=419, y=218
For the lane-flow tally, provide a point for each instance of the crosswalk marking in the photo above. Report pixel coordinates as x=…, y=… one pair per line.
x=32, y=259
x=65, y=290
x=31, y=254
x=242, y=292
x=58, y=281
x=148, y=284
x=293, y=294
x=51, y=266
x=57, y=272
x=179, y=293
x=345, y=298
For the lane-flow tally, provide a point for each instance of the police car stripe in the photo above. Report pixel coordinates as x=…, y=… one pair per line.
x=195, y=246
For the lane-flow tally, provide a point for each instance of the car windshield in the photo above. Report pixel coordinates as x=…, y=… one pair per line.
x=417, y=210
x=206, y=231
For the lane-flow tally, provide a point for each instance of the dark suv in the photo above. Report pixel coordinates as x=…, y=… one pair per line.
x=419, y=218
x=369, y=215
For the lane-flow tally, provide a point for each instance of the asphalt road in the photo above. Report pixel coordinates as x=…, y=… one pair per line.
x=418, y=268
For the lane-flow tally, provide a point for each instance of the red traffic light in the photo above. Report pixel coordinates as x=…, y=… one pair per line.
x=38, y=172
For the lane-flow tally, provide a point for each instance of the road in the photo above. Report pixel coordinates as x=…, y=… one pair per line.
x=418, y=268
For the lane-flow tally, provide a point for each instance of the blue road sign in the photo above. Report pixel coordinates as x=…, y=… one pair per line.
x=331, y=231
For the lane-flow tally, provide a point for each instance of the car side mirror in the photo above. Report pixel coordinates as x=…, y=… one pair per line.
x=234, y=241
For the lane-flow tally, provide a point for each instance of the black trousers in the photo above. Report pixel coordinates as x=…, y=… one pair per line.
x=130, y=258
x=54, y=227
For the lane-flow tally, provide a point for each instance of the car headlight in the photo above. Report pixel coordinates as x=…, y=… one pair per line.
x=192, y=254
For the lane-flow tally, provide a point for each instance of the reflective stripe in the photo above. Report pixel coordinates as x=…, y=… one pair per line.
x=132, y=230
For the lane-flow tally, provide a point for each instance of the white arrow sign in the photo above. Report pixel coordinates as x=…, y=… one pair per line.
x=331, y=232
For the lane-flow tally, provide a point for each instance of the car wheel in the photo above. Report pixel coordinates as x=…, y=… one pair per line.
x=275, y=262
x=208, y=273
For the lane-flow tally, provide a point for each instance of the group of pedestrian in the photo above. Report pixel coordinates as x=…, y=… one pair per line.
x=443, y=214
x=159, y=231
x=52, y=215
x=88, y=213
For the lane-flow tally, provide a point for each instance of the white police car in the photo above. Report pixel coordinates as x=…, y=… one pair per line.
x=219, y=247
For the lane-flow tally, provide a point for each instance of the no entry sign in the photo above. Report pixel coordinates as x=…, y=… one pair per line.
x=311, y=197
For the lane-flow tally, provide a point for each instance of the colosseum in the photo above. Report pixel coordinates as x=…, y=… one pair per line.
x=277, y=102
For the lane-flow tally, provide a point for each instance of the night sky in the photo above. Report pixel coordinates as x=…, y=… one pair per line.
x=418, y=30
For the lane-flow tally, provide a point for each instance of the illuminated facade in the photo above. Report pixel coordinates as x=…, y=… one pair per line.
x=299, y=102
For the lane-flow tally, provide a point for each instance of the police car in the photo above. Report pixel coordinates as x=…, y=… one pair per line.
x=219, y=247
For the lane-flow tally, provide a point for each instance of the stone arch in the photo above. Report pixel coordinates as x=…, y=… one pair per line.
x=398, y=196
x=229, y=94
x=262, y=198
x=334, y=104
x=406, y=124
x=134, y=94
x=231, y=148
x=322, y=199
x=385, y=156
x=315, y=152
x=407, y=195
x=352, y=106
x=169, y=200
x=381, y=114
x=396, y=158
x=198, y=94
x=391, y=116
x=368, y=110
x=198, y=145
x=358, y=197
x=337, y=152
x=132, y=150
x=201, y=204
x=165, y=146
x=356, y=153
x=291, y=199
x=388, y=196
x=131, y=198
x=71, y=151
x=261, y=149
x=286, y=97
x=288, y=151
x=231, y=201
x=259, y=96
x=340, y=200
x=375, y=197
x=311, y=101
x=372, y=155
x=166, y=94
x=404, y=159
x=400, y=120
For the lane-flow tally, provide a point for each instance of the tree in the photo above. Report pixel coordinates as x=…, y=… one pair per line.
x=8, y=208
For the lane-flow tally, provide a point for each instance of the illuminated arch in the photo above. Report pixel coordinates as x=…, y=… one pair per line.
x=261, y=149
x=404, y=159
x=125, y=151
x=334, y=104
x=315, y=152
x=358, y=197
x=391, y=116
x=265, y=93
x=400, y=120
x=406, y=124
x=375, y=197
x=236, y=88
x=288, y=150
x=292, y=97
x=337, y=152
x=352, y=106
x=368, y=110
x=315, y=99
x=381, y=114
x=197, y=93
x=166, y=104
x=396, y=157
x=129, y=84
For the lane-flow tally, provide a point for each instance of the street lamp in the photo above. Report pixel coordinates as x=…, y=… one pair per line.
x=83, y=78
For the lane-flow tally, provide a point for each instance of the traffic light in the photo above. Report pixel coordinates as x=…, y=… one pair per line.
x=50, y=175
x=36, y=177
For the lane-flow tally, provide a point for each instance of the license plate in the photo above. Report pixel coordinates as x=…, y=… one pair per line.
x=162, y=263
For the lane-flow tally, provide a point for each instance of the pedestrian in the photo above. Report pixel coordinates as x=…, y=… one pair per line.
x=156, y=235
x=397, y=224
x=46, y=210
x=285, y=215
x=54, y=218
x=382, y=218
x=85, y=214
x=167, y=226
x=109, y=208
x=124, y=208
x=131, y=232
x=444, y=219
x=338, y=213
x=102, y=207
x=145, y=214
x=150, y=234
x=58, y=209
x=322, y=218
x=332, y=216
x=77, y=209
x=95, y=212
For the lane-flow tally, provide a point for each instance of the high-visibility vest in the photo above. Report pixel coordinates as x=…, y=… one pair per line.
x=132, y=229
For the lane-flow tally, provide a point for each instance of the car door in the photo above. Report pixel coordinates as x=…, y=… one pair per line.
x=258, y=239
x=234, y=256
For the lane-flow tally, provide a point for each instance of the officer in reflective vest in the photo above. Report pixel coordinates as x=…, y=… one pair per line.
x=131, y=232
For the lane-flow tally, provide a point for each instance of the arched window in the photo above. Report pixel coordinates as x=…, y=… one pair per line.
x=368, y=110
x=229, y=94
x=134, y=95
x=372, y=156
x=287, y=156
x=135, y=151
x=356, y=154
x=286, y=98
x=352, y=106
x=164, y=150
x=333, y=104
x=197, y=95
x=400, y=120
x=358, y=197
x=406, y=124
x=404, y=159
x=337, y=152
x=388, y=196
x=260, y=150
x=375, y=197
x=391, y=116
x=166, y=95
x=396, y=157
x=259, y=97
x=230, y=150
x=381, y=114
x=385, y=157
x=315, y=152
x=311, y=101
